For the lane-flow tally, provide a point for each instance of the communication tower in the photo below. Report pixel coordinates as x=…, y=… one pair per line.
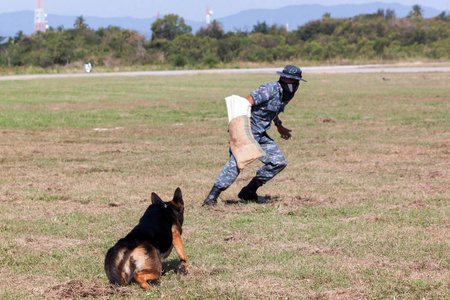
x=208, y=17
x=40, y=24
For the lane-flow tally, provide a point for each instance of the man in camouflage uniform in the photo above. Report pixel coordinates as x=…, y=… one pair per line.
x=267, y=101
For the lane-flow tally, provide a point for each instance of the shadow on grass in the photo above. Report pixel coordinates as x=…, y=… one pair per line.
x=171, y=265
x=267, y=199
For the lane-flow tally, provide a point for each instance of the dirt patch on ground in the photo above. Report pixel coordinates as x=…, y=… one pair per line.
x=308, y=249
x=326, y=120
x=48, y=243
x=23, y=210
x=31, y=285
x=303, y=200
x=201, y=272
x=340, y=294
x=76, y=289
x=415, y=204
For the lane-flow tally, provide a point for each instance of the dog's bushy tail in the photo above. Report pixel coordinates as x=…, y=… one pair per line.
x=118, y=267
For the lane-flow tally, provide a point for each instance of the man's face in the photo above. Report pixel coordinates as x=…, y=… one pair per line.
x=289, y=87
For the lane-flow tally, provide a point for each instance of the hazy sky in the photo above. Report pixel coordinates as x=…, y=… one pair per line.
x=188, y=9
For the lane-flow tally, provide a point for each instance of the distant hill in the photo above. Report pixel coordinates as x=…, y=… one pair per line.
x=294, y=16
x=298, y=15
x=11, y=23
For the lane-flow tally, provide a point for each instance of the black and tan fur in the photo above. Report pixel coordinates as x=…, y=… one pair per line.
x=151, y=241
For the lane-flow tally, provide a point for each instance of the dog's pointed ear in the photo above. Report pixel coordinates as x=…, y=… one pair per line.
x=178, y=197
x=156, y=199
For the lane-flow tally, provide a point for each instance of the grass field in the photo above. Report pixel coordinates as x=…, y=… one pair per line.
x=361, y=211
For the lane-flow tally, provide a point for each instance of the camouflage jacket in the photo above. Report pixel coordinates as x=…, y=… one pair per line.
x=268, y=104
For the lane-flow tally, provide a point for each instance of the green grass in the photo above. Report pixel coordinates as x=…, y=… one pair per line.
x=361, y=211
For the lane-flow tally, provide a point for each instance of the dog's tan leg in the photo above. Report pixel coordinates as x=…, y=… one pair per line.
x=144, y=276
x=179, y=247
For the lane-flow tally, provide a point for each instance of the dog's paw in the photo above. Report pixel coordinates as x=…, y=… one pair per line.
x=182, y=269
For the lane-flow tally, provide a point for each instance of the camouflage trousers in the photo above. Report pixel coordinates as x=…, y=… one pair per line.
x=274, y=162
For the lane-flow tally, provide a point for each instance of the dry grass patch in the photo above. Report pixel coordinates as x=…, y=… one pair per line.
x=48, y=243
x=24, y=286
x=78, y=289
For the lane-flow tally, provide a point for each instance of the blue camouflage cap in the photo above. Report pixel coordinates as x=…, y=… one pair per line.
x=292, y=72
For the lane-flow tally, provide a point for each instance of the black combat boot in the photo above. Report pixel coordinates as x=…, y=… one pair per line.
x=248, y=193
x=211, y=199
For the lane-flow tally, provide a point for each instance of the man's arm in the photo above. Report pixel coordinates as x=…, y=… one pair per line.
x=250, y=99
x=276, y=120
x=283, y=131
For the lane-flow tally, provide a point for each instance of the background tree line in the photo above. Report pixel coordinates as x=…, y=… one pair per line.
x=371, y=37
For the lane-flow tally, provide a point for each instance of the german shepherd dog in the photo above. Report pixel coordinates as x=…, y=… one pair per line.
x=151, y=241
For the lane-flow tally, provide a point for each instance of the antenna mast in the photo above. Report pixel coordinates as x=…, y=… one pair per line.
x=208, y=17
x=40, y=24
